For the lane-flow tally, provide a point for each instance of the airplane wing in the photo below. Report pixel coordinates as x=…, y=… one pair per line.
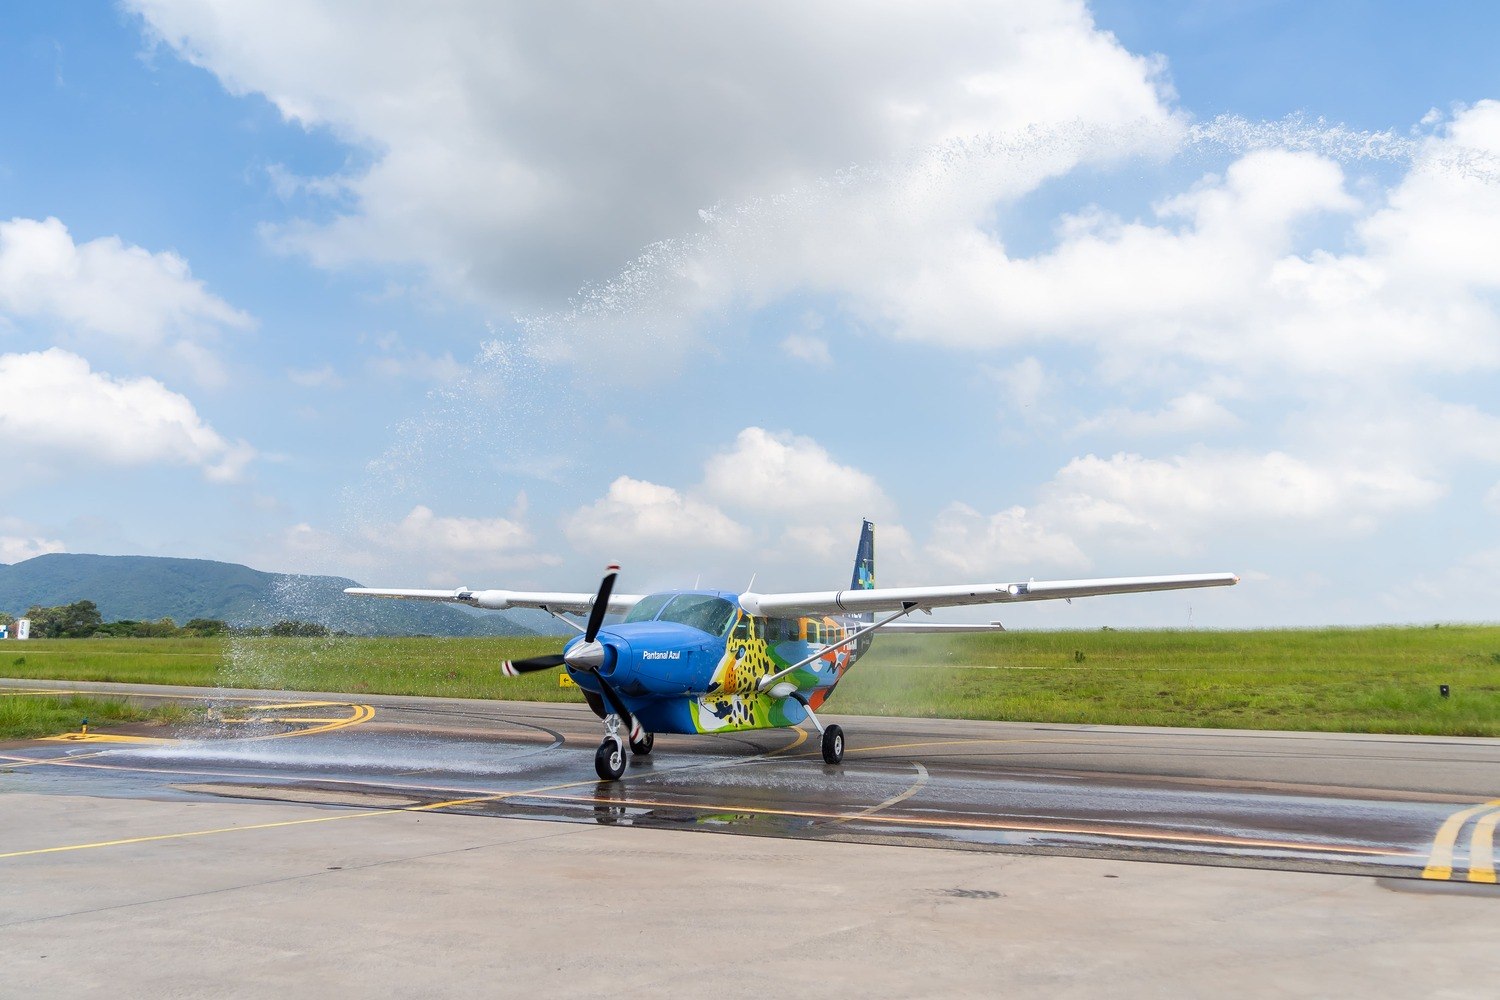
x=499, y=600
x=832, y=602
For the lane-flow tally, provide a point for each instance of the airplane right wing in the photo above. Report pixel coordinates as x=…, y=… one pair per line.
x=833, y=602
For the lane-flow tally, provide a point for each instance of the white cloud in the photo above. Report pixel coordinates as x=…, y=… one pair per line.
x=1025, y=383
x=20, y=541
x=54, y=411
x=1492, y=498
x=422, y=530
x=1008, y=545
x=813, y=350
x=789, y=474
x=1190, y=413
x=1181, y=500
x=559, y=162
x=636, y=515
x=107, y=292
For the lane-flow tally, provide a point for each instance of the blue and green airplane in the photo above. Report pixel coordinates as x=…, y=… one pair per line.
x=712, y=661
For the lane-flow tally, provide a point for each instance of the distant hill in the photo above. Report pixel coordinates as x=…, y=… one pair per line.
x=147, y=588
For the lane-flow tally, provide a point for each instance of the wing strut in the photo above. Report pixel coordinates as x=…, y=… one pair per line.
x=907, y=607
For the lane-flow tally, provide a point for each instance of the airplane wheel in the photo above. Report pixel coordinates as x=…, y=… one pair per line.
x=833, y=745
x=609, y=761
x=642, y=746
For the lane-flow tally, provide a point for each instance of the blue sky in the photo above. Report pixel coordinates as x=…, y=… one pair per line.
x=493, y=294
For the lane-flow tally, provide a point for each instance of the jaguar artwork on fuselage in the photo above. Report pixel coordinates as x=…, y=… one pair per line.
x=709, y=661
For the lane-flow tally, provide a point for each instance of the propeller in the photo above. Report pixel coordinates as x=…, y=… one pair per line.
x=587, y=656
x=515, y=668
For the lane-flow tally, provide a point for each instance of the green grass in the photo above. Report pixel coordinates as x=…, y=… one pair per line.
x=25, y=716
x=1382, y=680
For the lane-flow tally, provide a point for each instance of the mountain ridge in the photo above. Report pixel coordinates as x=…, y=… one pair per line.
x=148, y=588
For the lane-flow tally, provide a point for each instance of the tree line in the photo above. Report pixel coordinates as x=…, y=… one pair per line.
x=82, y=620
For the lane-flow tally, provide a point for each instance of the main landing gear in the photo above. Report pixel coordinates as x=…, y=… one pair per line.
x=833, y=736
x=833, y=745
x=609, y=759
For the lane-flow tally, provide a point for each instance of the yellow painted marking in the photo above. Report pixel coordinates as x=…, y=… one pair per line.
x=801, y=739
x=296, y=822
x=564, y=681
x=1482, y=849
x=1014, y=825
x=900, y=797
x=946, y=743
x=191, y=833
x=1440, y=860
x=103, y=738
x=360, y=713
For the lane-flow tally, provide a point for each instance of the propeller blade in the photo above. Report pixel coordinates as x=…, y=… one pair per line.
x=515, y=668
x=601, y=602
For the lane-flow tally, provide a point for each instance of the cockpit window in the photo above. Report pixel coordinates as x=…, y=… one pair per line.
x=647, y=607
x=703, y=611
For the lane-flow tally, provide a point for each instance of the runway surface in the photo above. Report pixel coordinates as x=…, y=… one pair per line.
x=1396, y=807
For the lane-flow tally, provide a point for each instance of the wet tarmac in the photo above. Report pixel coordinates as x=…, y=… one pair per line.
x=1399, y=807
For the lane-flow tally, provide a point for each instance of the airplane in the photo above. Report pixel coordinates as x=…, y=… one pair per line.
x=714, y=661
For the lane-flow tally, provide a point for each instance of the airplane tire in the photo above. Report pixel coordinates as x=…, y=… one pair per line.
x=833, y=745
x=642, y=746
x=609, y=761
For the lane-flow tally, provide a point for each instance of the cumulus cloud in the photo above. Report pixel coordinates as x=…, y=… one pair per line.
x=636, y=515
x=559, y=162
x=56, y=411
x=108, y=292
x=1181, y=499
x=978, y=547
x=422, y=530
x=813, y=350
x=788, y=473
x=1189, y=413
x=1025, y=383
x=20, y=541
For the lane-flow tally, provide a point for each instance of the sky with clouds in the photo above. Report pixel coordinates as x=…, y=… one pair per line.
x=492, y=294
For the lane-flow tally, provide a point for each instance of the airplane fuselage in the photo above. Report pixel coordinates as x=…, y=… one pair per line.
x=692, y=662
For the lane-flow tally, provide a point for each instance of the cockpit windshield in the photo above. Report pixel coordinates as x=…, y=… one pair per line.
x=703, y=611
x=646, y=608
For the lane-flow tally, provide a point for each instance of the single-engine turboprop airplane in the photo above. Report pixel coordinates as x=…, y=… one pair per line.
x=711, y=661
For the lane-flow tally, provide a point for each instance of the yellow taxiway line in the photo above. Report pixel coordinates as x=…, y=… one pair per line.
x=429, y=807
x=1440, y=858
x=978, y=824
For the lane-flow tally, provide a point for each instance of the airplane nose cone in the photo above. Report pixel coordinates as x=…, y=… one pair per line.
x=585, y=656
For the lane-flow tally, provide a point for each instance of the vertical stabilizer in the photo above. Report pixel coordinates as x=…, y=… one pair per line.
x=864, y=560
x=864, y=578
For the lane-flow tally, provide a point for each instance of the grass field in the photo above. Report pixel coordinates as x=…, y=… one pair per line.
x=24, y=716
x=1382, y=680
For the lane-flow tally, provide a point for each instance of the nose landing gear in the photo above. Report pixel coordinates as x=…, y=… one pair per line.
x=609, y=759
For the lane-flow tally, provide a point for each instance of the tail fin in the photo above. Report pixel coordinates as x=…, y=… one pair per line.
x=864, y=560
x=864, y=571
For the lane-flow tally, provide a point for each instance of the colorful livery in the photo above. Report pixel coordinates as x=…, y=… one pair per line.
x=710, y=661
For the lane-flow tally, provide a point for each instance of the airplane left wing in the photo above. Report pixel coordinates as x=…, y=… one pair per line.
x=499, y=600
x=832, y=602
